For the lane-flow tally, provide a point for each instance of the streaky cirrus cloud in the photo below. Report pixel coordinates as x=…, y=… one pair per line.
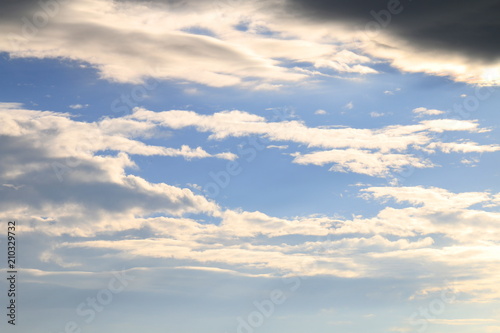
x=374, y=152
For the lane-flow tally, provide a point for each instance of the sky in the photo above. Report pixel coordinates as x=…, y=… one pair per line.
x=241, y=166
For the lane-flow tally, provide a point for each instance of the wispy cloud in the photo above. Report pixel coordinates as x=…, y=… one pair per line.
x=375, y=152
x=78, y=106
x=428, y=112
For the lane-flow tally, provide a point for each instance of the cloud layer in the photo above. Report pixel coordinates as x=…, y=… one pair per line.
x=448, y=26
x=64, y=188
x=254, y=44
x=374, y=152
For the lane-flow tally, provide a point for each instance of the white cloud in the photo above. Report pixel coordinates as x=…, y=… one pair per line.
x=320, y=112
x=349, y=106
x=12, y=186
x=191, y=91
x=195, y=186
x=408, y=58
x=378, y=152
x=66, y=138
x=98, y=196
x=376, y=114
x=462, y=322
x=392, y=92
x=375, y=152
x=392, y=244
x=442, y=125
x=78, y=106
x=435, y=198
x=472, y=162
x=122, y=40
x=277, y=147
x=343, y=67
x=428, y=112
x=463, y=147
x=361, y=161
x=51, y=155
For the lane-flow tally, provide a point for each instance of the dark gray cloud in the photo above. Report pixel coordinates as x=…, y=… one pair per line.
x=15, y=10
x=43, y=181
x=465, y=27
x=471, y=28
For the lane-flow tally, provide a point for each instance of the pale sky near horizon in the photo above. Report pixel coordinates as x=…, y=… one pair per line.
x=251, y=166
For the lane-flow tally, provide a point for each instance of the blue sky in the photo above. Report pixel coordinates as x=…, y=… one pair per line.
x=247, y=166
